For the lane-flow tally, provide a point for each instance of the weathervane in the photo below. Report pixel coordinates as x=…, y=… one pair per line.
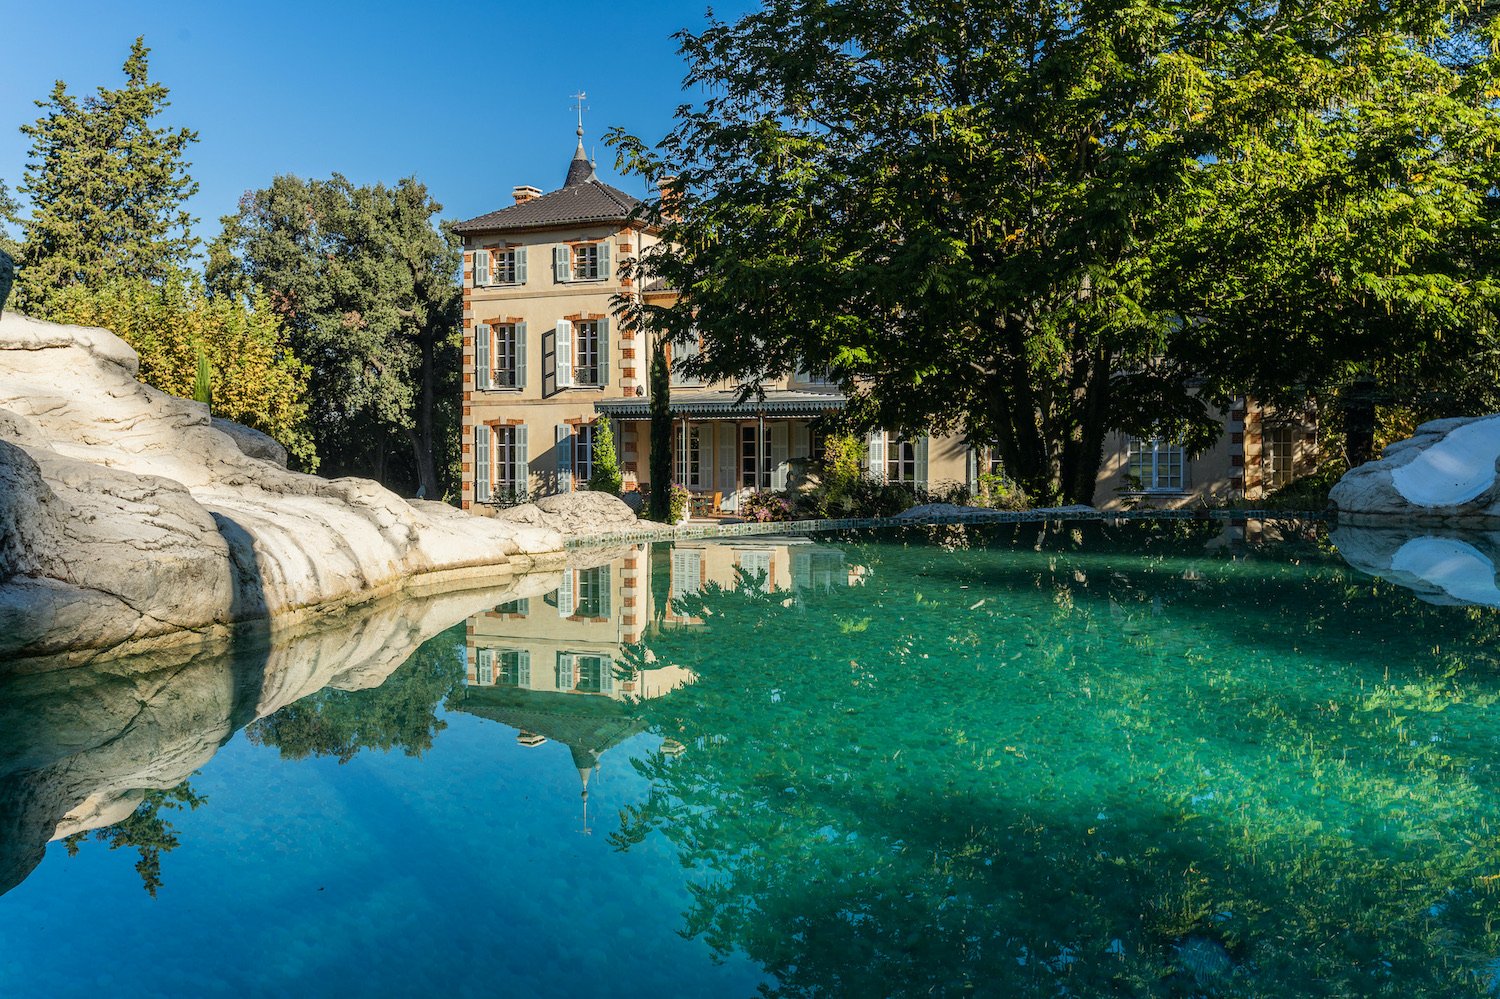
x=580, y=107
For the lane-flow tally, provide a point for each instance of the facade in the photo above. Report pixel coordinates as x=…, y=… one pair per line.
x=545, y=358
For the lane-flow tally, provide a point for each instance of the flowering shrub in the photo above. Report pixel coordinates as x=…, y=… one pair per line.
x=765, y=507
x=679, y=504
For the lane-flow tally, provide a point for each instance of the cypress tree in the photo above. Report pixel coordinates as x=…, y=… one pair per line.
x=203, y=386
x=661, y=435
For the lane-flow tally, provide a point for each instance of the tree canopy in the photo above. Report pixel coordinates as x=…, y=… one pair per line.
x=1040, y=223
x=364, y=281
x=108, y=189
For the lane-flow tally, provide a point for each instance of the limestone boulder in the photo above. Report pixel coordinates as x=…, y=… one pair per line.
x=576, y=515
x=130, y=518
x=1445, y=473
x=251, y=441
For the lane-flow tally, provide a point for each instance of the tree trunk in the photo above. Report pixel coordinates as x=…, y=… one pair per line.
x=422, y=434
x=1358, y=404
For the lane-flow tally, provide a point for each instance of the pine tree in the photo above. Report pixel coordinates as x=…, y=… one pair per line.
x=108, y=189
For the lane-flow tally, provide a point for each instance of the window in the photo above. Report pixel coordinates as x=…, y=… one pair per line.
x=900, y=460
x=596, y=674
x=583, y=452
x=1278, y=457
x=510, y=266
x=500, y=356
x=581, y=262
x=750, y=463
x=756, y=567
x=592, y=588
x=1156, y=465
x=690, y=457
x=515, y=608
x=682, y=353
x=500, y=463
x=687, y=572
x=580, y=353
x=513, y=668
x=500, y=266
x=818, y=377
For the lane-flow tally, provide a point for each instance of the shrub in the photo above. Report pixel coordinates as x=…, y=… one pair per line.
x=766, y=506
x=677, y=502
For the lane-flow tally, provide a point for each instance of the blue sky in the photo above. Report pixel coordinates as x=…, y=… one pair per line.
x=472, y=98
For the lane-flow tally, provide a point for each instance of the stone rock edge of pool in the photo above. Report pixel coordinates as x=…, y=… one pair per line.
x=1444, y=474
x=129, y=519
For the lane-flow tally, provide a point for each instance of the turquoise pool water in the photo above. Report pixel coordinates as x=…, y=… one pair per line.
x=1150, y=759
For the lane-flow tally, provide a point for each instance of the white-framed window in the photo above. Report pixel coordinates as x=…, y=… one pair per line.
x=515, y=608
x=501, y=466
x=593, y=589
x=500, y=266
x=1156, y=464
x=756, y=565
x=586, y=352
x=900, y=459
x=689, y=470
x=687, y=572
x=509, y=266
x=513, y=668
x=583, y=452
x=1278, y=454
x=681, y=354
x=500, y=355
x=818, y=378
x=595, y=674
x=750, y=459
x=581, y=262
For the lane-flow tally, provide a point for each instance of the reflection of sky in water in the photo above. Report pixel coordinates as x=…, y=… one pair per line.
x=1145, y=760
x=462, y=872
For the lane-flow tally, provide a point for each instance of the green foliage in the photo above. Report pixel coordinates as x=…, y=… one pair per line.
x=844, y=457
x=203, y=386
x=1041, y=223
x=998, y=492
x=363, y=279
x=145, y=830
x=178, y=330
x=399, y=714
x=660, y=387
x=606, y=475
x=108, y=190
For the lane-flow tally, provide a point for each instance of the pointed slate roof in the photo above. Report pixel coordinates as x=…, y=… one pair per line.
x=583, y=199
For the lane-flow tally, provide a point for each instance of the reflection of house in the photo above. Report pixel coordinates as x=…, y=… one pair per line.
x=795, y=565
x=545, y=357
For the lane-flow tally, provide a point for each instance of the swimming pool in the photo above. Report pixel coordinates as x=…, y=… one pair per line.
x=1038, y=759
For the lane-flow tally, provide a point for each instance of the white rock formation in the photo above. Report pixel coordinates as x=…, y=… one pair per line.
x=79, y=747
x=1445, y=472
x=127, y=517
x=1440, y=566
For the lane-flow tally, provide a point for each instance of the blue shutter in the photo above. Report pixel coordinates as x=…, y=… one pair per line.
x=603, y=326
x=604, y=271
x=562, y=264
x=482, y=464
x=481, y=268
x=563, y=354
x=877, y=455
x=921, y=449
x=523, y=462
x=481, y=356
x=564, y=458
x=520, y=265
x=520, y=355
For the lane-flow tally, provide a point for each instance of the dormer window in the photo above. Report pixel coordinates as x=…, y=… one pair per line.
x=581, y=262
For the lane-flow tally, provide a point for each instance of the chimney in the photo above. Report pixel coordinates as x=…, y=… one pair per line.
x=670, y=192
x=524, y=193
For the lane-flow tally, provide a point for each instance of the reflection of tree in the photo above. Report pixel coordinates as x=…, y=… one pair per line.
x=1053, y=766
x=146, y=830
x=400, y=713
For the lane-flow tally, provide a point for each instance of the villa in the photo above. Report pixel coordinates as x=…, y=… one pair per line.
x=545, y=358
